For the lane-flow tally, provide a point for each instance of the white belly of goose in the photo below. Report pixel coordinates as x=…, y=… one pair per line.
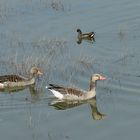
x=65, y=96
x=69, y=93
x=57, y=94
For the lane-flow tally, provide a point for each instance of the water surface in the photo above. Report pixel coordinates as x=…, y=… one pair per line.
x=43, y=32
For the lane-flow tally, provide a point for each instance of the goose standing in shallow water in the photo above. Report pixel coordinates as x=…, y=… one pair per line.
x=68, y=93
x=10, y=81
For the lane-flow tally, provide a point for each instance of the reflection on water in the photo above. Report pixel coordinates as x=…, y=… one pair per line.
x=63, y=105
x=89, y=40
x=12, y=89
x=52, y=47
x=32, y=90
x=17, y=89
x=96, y=115
x=35, y=96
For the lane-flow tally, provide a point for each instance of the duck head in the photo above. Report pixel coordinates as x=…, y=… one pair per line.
x=79, y=31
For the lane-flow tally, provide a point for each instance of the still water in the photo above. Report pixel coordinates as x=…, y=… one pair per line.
x=43, y=33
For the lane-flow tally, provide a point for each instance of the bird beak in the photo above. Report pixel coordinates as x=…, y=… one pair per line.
x=102, y=78
x=40, y=72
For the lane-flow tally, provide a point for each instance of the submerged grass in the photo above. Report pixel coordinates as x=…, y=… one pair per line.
x=42, y=53
x=53, y=55
x=9, y=10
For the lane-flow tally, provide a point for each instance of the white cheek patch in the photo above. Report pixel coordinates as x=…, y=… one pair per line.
x=92, y=35
x=56, y=94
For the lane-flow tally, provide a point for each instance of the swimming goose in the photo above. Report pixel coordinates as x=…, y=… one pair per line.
x=68, y=93
x=9, y=81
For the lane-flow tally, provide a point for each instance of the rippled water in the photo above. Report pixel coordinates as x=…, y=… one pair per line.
x=43, y=32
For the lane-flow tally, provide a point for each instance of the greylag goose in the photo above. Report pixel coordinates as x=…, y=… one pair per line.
x=69, y=93
x=10, y=81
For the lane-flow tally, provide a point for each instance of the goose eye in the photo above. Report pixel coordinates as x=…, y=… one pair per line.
x=98, y=77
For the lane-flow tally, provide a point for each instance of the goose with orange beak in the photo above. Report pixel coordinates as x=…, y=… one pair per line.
x=69, y=93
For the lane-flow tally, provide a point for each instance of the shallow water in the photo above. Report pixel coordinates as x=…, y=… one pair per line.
x=43, y=32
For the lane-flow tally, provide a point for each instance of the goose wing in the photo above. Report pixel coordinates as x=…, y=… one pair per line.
x=11, y=78
x=66, y=90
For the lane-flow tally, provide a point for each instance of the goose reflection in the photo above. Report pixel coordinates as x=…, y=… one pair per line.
x=79, y=41
x=13, y=89
x=34, y=93
x=63, y=105
x=96, y=115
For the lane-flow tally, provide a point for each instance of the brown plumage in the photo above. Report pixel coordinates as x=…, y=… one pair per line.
x=66, y=90
x=69, y=93
x=10, y=78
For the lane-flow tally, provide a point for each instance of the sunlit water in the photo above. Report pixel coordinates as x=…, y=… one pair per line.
x=43, y=32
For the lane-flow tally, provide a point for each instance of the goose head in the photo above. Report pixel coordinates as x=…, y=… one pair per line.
x=35, y=71
x=96, y=77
